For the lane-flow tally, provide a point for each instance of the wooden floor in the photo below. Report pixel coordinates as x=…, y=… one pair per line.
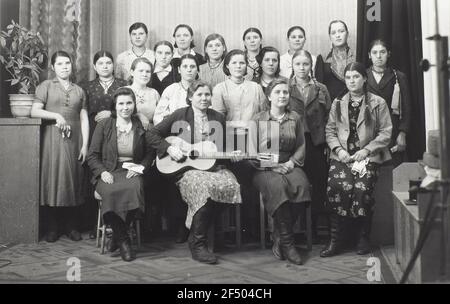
x=163, y=261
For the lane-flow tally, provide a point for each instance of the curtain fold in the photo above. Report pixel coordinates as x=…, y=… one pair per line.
x=401, y=28
x=74, y=26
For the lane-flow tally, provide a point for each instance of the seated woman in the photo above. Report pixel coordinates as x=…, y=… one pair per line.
x=203, y=191
x=286, y=184
x=174, y=96
x=116, y=140
x=358, y=133
x=269, y=66
x=146, y=98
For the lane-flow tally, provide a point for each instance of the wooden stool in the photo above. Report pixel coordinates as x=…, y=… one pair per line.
x=101, y=227
x=227, y=224
x=262, y=222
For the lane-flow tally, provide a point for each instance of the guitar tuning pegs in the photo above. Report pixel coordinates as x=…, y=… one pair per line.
x=425, y=65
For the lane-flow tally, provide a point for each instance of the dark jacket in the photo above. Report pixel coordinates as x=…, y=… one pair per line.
x=103, y=154
x=315, y=113
x=324, y=74
x=184, y=117
x=385, y=89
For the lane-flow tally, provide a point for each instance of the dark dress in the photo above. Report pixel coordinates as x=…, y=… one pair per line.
x=97, y=100
x=385, y=89
x=161, y=85
x=124, y=194
x=277, y=188
x=61, y=172
x=350, y=195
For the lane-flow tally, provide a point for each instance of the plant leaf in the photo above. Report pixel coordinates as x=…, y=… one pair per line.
x=14, y=82
x=2, y=42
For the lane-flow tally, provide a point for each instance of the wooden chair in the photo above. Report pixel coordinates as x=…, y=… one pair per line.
x=102, y=229
x=227, y=223
x=269, y=228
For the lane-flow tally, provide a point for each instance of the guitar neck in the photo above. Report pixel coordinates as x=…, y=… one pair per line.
x=224, y=155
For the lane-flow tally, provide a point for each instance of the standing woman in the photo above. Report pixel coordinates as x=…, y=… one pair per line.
x=184, y=44
x=269, y=66
x=205, y=192
x=99, y=92
x=310, y=99
x=331, y=72
x=64, y=146
x=146, y=98
x=296, y=37
x=138, y=37
x=164, y=74
x=285, y=185
x=118, y=139
x=392, y=85
x=358, y=133
x=174, y=96
x=252, y=43
x=215, y=51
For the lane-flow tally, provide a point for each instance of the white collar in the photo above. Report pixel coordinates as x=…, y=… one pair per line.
x=177, y=55
x=167, y=69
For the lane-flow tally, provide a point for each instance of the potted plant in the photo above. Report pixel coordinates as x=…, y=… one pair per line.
x=23, y=54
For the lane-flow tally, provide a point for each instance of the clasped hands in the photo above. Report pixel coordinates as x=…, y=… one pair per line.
x=345, y=157
x=108, y=178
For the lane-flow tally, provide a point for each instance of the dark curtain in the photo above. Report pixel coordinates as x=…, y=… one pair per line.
x=400, y=26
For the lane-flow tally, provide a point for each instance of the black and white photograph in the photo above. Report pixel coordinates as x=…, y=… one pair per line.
x=224, y=148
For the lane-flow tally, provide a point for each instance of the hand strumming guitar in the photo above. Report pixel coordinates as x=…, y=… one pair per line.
x=175, y=153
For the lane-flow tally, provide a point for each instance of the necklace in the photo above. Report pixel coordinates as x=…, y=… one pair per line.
x=265, y=83
x=132, y=49
x=184, y=88
x=356, y=101
x=280, y=118
x=140, y=94
x=106, y=84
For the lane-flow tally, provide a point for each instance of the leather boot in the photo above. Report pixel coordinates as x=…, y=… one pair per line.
x=283, y=224
x=112, y=244
x=126, y=251
x=333, y=247
x=363, y=246
x=276, y=250
x=198, y=234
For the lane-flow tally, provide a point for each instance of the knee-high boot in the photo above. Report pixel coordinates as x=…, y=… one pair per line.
x=120, y=235
x=364, y=225
x=197, y=240
x=283, y=224
x=335, y=229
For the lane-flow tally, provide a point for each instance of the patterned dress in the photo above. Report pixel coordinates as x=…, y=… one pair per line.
x=61, y=172
x=349, y=194
x=196, y=187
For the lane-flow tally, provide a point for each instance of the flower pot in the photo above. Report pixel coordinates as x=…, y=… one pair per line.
x=21, y=105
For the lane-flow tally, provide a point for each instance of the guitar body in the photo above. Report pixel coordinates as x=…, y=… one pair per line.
x=167, y=165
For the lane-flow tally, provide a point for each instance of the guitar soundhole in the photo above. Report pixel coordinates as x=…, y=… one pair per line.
x=194, y=154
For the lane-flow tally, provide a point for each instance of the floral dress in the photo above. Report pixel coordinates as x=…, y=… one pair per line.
x=349, y=194
x=196, y=186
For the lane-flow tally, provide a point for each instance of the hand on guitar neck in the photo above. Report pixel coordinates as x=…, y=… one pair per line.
x=200, y=156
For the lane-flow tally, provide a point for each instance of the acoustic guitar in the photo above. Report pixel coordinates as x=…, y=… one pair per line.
x=203, y=156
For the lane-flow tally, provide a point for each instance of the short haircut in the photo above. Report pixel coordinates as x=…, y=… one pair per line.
x=190, y=31
x=212, y=37
x=190, y=56
x=136, y=26
x=293, y=28
x=337, y=21
x=163, y=42
x=260, y=57
x=60, y=54
x=194, y=87
x=228, y=57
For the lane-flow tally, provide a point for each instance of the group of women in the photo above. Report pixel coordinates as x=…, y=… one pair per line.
x=337, y=123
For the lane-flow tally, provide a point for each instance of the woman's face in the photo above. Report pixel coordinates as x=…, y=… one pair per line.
x=183, y=38
x=163, y=55
x=296, y=40
x=301, y=66
x=138, y=37
x=279, y=97
x=338, y=34
x=252, y=42
x=141, y=73
x=124, y=106
x=354, y=81
x=215, y=50
x=201, y=100
x=104, y=67
x=237, y=66
x=188, y=70
x=379, y=56
x=62, y=67
x=270, y=63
